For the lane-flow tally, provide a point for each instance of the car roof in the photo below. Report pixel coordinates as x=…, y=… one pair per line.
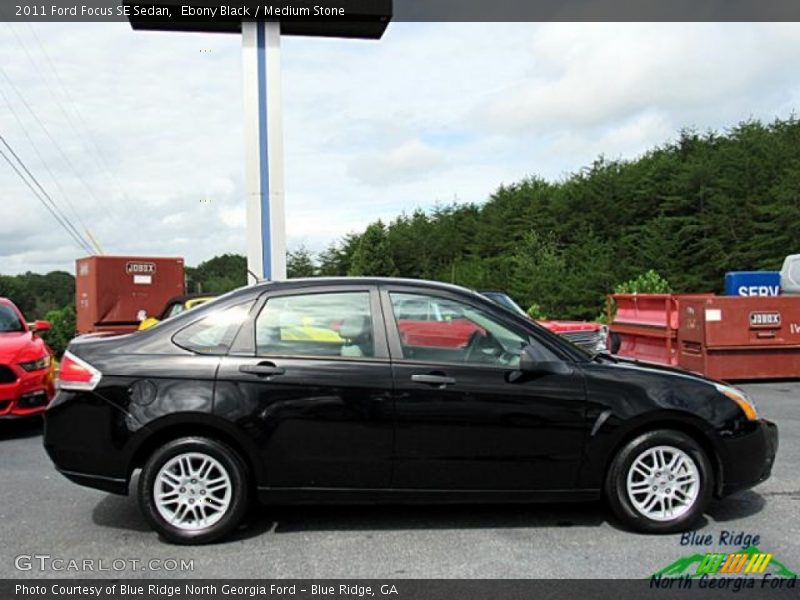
x=334, y=281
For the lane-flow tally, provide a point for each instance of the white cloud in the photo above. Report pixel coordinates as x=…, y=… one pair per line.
x=401, y=164
x=431, y=113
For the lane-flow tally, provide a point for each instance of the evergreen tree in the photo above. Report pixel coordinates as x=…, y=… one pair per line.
x=373, y=255
x=300, y=263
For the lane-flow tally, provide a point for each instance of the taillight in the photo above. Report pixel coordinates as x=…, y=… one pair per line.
x=77, y=374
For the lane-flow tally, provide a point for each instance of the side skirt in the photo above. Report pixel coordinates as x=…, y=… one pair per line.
x=268, y=495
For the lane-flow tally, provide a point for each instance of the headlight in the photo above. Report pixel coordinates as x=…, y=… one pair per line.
x=741, y=399
x=36, y=365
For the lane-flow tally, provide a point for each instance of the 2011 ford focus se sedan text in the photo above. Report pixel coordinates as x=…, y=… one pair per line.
x=386, y=390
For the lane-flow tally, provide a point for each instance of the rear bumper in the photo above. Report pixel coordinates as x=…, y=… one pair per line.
x=84, y=436
x=750, y=457
x=29, y=395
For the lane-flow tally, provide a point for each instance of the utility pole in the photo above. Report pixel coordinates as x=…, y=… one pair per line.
x=264, y=165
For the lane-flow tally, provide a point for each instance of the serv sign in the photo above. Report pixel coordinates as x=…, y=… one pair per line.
x=753, y=283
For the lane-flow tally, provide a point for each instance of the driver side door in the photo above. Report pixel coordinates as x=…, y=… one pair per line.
x=463, y=422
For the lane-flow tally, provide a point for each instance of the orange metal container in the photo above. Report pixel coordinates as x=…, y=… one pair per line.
x=740, y=338
x=114, y=293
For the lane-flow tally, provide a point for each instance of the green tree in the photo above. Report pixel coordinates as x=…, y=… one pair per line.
x=37, y=294
x=218, y=275
x=300, y=263
x=649, y=282
x=63, y=328
x=373, y=255
x=335, y=260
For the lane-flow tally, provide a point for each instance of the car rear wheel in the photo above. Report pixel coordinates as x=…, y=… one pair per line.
x=660, y=482
x=194, y=490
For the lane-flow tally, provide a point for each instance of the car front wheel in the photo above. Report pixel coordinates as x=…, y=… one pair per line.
x=194, y=490
x=660, y=482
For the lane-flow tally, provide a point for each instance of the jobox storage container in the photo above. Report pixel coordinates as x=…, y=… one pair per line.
x=740, y=338
x=114, y=293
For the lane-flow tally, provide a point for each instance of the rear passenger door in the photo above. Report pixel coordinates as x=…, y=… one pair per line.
x=315, y=389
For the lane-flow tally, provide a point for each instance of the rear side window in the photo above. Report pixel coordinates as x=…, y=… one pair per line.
x=214, y=333
x=324, y=325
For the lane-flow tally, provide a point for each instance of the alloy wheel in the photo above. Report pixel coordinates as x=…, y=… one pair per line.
x=663, y=483
x=192, y=491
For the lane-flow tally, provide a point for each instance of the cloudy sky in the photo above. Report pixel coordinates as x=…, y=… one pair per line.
x=139, y=136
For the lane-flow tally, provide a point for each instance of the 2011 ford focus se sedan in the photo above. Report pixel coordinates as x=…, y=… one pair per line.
x=386, y=390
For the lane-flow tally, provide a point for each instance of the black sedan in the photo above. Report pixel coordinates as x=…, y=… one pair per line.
x=386, y=390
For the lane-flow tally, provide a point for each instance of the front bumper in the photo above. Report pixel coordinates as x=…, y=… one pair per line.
x=750, y=457
x=29, y=395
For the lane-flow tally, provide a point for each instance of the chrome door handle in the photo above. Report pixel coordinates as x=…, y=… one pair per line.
x=438, y=380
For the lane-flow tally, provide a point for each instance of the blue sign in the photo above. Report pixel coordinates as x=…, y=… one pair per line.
x=753, y=283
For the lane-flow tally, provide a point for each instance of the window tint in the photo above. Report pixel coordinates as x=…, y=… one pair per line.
x=337, y=324
x=434, y=329
x=214, y=333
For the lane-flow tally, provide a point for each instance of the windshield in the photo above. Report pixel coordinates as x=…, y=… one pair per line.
x=9, y=320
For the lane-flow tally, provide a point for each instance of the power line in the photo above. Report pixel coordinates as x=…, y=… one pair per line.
x=97, y=155
x=55, y=208
x=42, y=160
x=69, y=229
x=57, y=147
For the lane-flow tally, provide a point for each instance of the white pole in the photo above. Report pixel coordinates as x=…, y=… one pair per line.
x=264, y=180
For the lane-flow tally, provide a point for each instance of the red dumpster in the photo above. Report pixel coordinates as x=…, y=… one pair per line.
x=114, y=293
x=647, y=326
x=740, y=338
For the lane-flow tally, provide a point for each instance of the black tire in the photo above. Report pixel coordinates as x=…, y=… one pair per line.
x=227, y=458
x=616, y=484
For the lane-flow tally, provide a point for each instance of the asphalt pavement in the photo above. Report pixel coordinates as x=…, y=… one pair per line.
x=45, y=519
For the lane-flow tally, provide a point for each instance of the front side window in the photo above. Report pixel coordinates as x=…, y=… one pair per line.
x=324, y=325
x=434, y=329
x=214, y=333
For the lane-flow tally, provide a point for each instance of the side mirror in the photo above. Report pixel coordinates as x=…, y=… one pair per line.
x=534, y=359
x=38, y=326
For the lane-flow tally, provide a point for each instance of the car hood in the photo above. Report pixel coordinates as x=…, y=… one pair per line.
x=562, y=326
x=637, y=366
x=13, y=344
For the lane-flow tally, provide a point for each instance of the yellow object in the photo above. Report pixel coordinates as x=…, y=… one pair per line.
x=148, y=323
x=194, y=302
x=308, y=332
x=175, y=310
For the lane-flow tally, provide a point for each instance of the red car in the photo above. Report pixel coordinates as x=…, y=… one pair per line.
x=27, y=369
